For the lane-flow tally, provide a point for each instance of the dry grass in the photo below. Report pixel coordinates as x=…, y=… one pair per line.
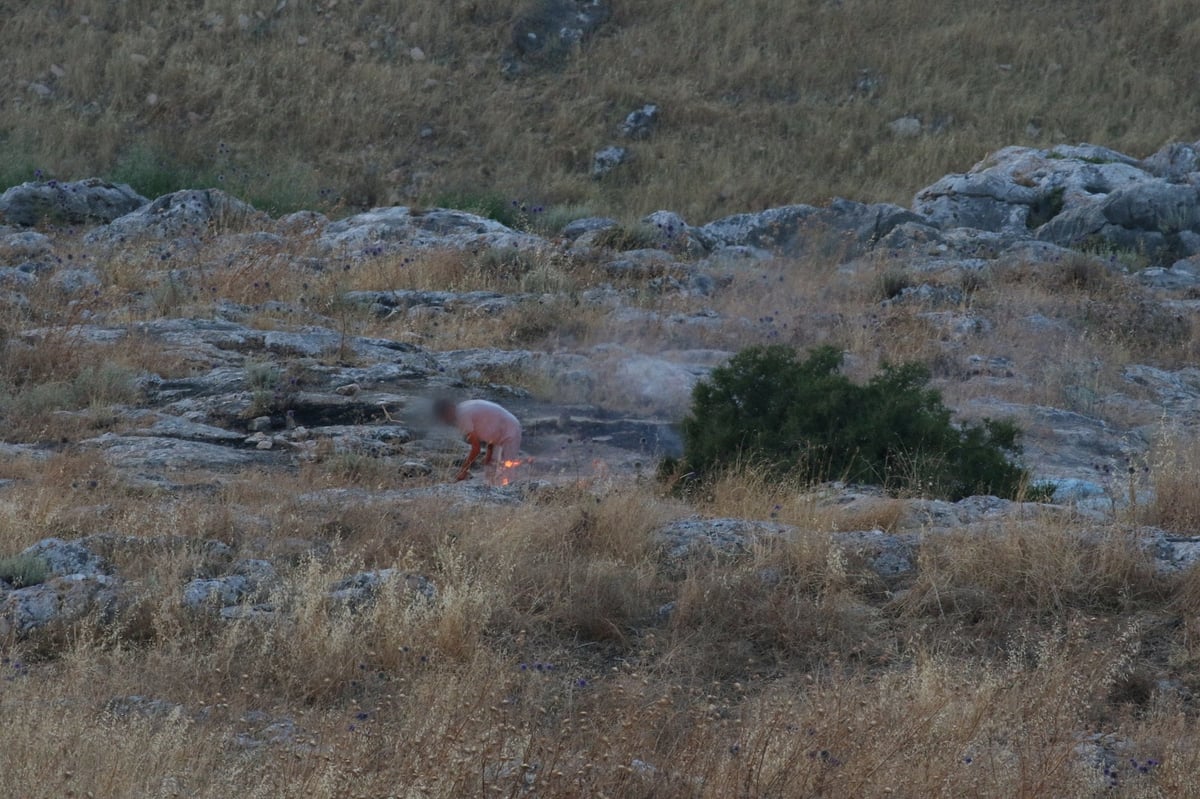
x=1173, y=464
x=546, y=659
x=778, y=102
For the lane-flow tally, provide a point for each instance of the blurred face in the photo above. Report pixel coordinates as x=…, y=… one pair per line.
x=445, y=413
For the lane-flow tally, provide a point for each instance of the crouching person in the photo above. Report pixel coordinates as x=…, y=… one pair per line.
x=485, y=424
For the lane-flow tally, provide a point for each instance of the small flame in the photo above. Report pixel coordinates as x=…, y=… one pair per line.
x=502, y=476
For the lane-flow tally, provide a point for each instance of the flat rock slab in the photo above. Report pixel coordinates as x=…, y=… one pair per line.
x=144, y=453
x=454, y=495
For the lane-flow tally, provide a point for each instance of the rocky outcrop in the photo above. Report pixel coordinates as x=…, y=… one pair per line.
x=64, y=558
x=796, y=230
x=246, y=580
x=388, y=230
x=546, y=32
x=640, y=122
x=359, y=590
x=183, y=213
x=607, y=159
x=77, y=202
x=79, y=584
x=1075, y=196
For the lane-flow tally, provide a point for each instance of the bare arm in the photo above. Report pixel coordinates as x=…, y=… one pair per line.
x=466, y=467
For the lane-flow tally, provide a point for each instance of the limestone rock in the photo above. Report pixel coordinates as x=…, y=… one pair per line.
x=77, y=202
x=605, y=160
x=547, y=30
x=640, y=123
x=385, y=230
x=183, y=213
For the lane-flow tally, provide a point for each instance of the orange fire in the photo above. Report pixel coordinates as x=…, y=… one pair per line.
x=502, y=473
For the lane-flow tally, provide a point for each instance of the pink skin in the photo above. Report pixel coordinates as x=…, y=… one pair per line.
x=450, y=416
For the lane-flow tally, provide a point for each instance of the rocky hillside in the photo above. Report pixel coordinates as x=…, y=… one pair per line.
x=358, y=103
x=227, y=536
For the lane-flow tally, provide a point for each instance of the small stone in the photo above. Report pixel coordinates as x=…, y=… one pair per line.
x=40, y=89
x=606, y=160
x=416, y=54
x=641, y=122
x=905, y=127
x=57, y=71
x=259, y=424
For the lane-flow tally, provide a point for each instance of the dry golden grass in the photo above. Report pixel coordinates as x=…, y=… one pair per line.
x=1173, y=465
x=546, y=660
x=763, y=104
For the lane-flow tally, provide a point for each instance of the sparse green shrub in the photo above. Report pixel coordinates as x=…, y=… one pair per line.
x=1046, y=208
x=505, y=264
x=557, y=217
x=94, y=386
x=21, y=571
x=17, y=164
x=622, y=239
x=803, y=416
x=152, y=174
x=892, y=282
x=270, y=392
x=486, y=204
x=281, y=188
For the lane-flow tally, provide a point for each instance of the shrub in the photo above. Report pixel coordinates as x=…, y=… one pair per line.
x=21, y=571
x=803, y=416
x=277, y=187
x=490, y=205
x=622, y=239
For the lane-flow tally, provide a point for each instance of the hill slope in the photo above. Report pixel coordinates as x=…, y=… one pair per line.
x=296, y=104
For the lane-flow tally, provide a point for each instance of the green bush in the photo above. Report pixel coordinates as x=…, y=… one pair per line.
x=277, y=185
x=489, y=205
x=804, y=417
x=21, y=571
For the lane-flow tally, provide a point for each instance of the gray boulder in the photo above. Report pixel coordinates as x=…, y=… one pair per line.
x=246, y=579
x=361, y=589
x=606, y=160
x=795, y=230
x=1018, y=188
x=61, y=600
x=1154, y=206
x=24, y=245
x=182, y=213
x=640, y=123
x=905, y=127
x=387, y=230
x=135, y=705
x=150, y=454
x=76, y=281
x=67, y=558
x=16, y=277
x=384, y=303
x=592, y=224
x=697, y=537
x=176, y=427
x=1171, y=552
x=546, y=32
x=77, y=202
x=1075, y=195
x=1174, y=162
